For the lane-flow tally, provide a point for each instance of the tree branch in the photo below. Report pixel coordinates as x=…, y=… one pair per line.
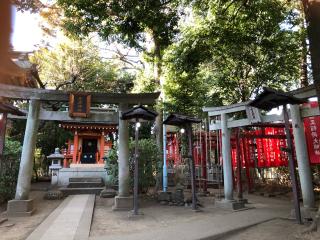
x=72, y=81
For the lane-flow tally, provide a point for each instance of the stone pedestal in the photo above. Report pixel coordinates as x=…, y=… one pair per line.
x=20, y=208
x=123, y=203
x=164, y=196
x=243, y=200
x=108, y=193
x=306, y=213
x=230, y=205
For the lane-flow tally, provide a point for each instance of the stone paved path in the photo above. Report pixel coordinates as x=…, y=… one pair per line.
x=71, y=220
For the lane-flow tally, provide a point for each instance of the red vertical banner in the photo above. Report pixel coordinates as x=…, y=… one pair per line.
x=266, y=149
x=234, y=157
x=312, y=132
x=272, y=147
x=283, y=156
x=251, y=151
x=276, y=147
x=260, y=150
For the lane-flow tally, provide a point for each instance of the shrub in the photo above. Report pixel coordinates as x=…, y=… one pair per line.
x=9, y=169
x=112, y=164
x=149, y=163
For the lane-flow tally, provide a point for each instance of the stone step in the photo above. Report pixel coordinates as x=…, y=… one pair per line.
x=86, y=179
x=86, y=185
x=75, y=191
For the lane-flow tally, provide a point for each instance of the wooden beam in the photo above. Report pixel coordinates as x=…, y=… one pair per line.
x=95, y=117
x=22, y=93
x=245, y=122
x=263, y=136
x=309, y=112
x=214, y=111
x=306, y=92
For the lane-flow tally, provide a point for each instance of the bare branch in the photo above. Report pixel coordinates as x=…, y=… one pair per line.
x=72, y=81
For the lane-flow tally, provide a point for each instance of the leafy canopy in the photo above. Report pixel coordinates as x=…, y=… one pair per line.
x=230, y=50
x=125, y=21
x=77, y=65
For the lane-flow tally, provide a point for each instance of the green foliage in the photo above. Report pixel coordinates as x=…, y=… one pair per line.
x=112, y=164
x=12, y=148
x=50, y=136
x=149, y=163
x=77, y=65
x=9, y=169
x=230, y=50
x=126, y=21
x=149, y=26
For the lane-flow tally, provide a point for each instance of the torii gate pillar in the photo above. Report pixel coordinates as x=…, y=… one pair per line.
x=228, y=201
x=226, y=156
x=22, y=205
x=123, y=201
x=302, y=158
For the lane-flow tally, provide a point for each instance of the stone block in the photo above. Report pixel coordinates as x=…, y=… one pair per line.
x=230, y=204
x=53, y=195
x=20, y=208
x=306, y=213
x=108, y=193
x=123, y=203
x=243, y=200
x=164, y=196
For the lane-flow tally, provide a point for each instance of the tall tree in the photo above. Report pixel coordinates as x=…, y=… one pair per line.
x=77, y=65
x=235, y=48
x=139, y=24
x=312, y=13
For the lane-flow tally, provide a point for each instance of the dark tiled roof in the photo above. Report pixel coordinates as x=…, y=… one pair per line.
x=271, y=98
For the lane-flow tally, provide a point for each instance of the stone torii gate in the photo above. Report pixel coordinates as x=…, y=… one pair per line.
x=22, y=205
x=253, y=116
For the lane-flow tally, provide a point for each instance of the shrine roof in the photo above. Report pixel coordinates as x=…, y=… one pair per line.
x=271, y=98
x=179, y=120
x=19, y=71
x=88, y=126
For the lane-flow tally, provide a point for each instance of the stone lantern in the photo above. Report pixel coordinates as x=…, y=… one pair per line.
x=108, y=191
x=56, y=164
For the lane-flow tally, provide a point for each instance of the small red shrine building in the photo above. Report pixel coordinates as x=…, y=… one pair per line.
x=90, y=143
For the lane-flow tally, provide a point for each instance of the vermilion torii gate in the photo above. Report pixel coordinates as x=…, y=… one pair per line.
x=253, y=116
x=22, y=205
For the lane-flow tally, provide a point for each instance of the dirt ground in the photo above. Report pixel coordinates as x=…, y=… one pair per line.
x=20, y=227
x=107, y=222
x=279, y=229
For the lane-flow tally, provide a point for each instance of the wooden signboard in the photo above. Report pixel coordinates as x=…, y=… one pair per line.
x=79, y=104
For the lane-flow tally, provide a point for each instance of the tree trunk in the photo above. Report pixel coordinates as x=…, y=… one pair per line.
x=312, y=13
x=304, y=65
x=157, y=75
